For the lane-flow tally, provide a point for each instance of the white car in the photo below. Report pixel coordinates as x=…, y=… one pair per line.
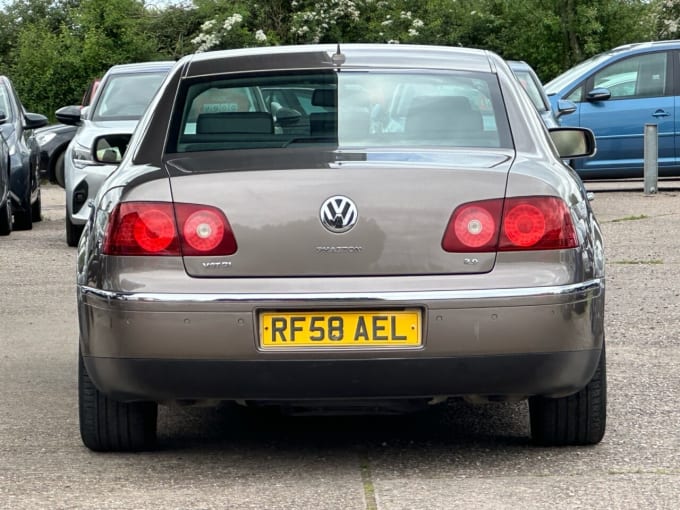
x=123, y=95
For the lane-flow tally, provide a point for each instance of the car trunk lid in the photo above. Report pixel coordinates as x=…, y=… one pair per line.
x=304, y=213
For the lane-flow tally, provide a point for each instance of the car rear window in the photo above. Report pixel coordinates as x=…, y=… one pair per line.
x=349, y=109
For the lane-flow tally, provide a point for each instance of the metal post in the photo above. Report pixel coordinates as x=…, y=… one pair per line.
x=651, y=155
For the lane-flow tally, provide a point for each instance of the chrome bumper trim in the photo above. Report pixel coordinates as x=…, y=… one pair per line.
x=578, y=291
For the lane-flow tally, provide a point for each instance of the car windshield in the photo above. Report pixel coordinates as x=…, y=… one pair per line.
x=126, y=96
x=355, y=109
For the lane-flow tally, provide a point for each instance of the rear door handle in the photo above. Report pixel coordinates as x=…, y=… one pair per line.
x=661, y=113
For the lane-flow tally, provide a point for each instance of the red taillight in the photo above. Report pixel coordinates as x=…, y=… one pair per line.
x=528, y=223
x=146, y=228
x=150, y=228
x=524, y=225
x=537, y=223
x=153, y=229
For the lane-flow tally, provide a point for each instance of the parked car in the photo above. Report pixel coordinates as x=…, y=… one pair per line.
x=532, y=84
x=617, y=93
x=17, y=130
x=444, y=252
x=124, y=93
x=54, y=139
x=5, y=199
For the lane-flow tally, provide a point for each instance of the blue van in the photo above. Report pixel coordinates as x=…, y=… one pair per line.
x=616, y=94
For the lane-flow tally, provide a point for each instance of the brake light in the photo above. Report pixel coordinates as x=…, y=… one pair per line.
x=150, y=228
x=513, y=224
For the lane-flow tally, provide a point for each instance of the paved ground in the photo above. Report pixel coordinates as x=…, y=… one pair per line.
x=463, y=457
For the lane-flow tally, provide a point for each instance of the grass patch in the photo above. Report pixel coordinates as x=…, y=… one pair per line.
x=630, y=218
x=652, y=262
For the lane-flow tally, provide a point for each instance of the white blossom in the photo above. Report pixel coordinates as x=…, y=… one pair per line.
x=260, y=36
x=207, y=25
x=671, y=26
x=232, y=20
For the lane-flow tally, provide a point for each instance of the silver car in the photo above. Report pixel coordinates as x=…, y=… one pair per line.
x=411, y=236
x=121, y=98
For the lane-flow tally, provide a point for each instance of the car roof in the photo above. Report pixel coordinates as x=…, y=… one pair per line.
x=142, y=67
x=652, y=45
x=519, y=64
x=318, y=56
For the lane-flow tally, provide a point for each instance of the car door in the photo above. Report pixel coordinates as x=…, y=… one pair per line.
x=641, y=92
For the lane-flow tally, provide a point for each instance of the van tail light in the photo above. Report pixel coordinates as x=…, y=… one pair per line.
x=512, y=224
x=151, y=228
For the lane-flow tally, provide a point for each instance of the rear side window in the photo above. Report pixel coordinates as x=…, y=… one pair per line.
x=350, y=109
x=635, y=77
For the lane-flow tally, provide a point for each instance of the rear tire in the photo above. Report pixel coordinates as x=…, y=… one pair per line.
x=23, y=220
x=578, y=419
x=6, y=218
x=36, y=209
x=59, y=170
x=107, y=425
x=73, y=232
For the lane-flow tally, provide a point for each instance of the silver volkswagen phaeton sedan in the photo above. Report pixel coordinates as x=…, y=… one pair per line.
x=337, y=228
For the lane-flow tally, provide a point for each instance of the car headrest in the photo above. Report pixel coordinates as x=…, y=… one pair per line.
x=234, y=123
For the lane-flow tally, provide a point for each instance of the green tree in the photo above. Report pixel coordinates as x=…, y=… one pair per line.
x=52, y=48
x=52, y=64
x=173, y=27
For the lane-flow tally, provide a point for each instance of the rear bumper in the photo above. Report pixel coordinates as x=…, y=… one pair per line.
x=500, y=343
x=554, y=374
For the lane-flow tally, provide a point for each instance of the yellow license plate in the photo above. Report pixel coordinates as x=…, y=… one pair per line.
x=380, y=328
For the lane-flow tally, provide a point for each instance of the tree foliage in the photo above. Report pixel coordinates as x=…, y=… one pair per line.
x=51, y=49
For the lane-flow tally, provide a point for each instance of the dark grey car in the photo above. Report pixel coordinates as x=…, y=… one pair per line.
x=16, y=126
x=415, y=237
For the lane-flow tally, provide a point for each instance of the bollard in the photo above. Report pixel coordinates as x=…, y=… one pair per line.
x=651, y=155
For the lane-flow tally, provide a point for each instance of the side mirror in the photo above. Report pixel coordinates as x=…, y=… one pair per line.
x=110, y=149
x=565, y=107
x=598, y=94
x=69, y=115
x=573, y=142
x=34, y=120
x=287, y=116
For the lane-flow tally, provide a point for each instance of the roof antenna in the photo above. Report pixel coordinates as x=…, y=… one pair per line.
x=338, y=57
